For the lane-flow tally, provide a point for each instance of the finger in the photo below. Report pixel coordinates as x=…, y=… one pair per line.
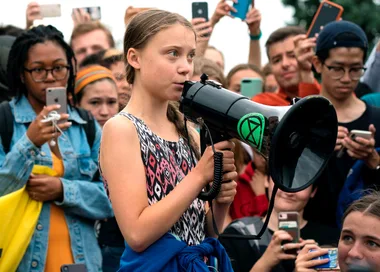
x=230, y=176
x=355, y=145
x=65, y=125
x=230, y=186
x=64, y=116
x=200, y=26
x=204, y=32
x=365, y=142
x=227, y=153
x=306, y=56
x=284, y=256
x=299, y=38
x=356, y=155
x=45, y=111
x=343, y=129
x=342, y=134
x=372, y=129
x=229, y=168
x=313, y=263
x=199, y=20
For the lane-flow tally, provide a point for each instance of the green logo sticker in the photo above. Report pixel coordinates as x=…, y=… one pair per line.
x=251, y=129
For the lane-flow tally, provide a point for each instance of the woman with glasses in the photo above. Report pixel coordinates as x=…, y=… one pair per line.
x=73, y=198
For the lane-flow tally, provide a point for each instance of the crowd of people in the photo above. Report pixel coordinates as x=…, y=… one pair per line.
x=117, y=174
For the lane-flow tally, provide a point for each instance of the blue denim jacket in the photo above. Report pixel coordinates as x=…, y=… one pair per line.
x=84, y=200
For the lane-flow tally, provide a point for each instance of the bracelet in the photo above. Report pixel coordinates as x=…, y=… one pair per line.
x=255, y=37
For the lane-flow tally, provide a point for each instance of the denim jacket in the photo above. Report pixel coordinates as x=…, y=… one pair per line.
x=84, y=200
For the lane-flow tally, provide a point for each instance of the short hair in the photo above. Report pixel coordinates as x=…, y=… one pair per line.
x=209, y=67
x=244, y=66
x=267, y=70
x=92, y=59
x=11, y=30
x=88, y=27
x=282, y=34
x=111, y=56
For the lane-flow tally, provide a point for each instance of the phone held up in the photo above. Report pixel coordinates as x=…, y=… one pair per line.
x=250, y=87
x=94, y=12
x=57, y=96
x=332, y=256
x=327, y=12
x=352, y=135
x=200, y=10
x=73, y=268
x=50, y=10
x=241, y=7
x=289, y=222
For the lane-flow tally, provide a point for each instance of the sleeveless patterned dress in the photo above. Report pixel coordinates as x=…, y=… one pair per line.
x=166, y=164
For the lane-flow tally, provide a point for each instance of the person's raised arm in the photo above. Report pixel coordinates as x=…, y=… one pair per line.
x=120, y=158
x=203, y=31
x=253, y=20
x=32, y=13
x=222, y=9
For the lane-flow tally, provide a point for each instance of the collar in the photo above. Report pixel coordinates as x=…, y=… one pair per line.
x=24, y=113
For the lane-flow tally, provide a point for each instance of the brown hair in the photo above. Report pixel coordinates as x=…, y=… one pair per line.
x=209, y=67
x=282, y=34
x=111, y=56
x=240, y=67
x=369, y=204
x=141, y=29
x=267, y=70
x=88, y=27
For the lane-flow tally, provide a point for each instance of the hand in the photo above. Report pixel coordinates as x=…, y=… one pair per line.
x=253, y=20
x=342, y=133
x=227, y=191
x=222, y=9
x=275, y=253
x=258, y=183
x=32, y=13
x=304, y=51
x=40, y=132
x=363, y=149
x=44, y=188
x=378, y=47
x=305, y=258
x=202, y=28
x=205, y=166
x=80, y=16
x=131, y=12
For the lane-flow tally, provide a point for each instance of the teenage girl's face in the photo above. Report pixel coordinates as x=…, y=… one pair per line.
x=47, y=55
x=166, y=62
x=360, y=241
x=100, y=98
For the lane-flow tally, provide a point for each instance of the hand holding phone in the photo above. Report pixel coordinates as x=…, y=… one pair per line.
x=289, y=222
x=332, y=257
x=57, y=96
x=365, y=134
x=241, y=7
x=50, y=10
x=327, y=12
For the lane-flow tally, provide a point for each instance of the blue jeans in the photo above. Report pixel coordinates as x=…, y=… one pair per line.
x=111, y=258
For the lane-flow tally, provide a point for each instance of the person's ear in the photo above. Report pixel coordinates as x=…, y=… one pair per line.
x=317, y=64
x=133, y=58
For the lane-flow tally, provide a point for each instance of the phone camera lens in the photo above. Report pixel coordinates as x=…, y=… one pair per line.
x=200, y=11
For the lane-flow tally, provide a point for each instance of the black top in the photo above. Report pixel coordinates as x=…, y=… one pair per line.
x=322, y=208
x=110, y=234
x=243, y=256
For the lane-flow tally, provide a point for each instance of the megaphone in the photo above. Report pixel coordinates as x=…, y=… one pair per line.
x=299, y=139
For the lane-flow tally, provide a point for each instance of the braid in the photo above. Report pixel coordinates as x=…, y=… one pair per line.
x=176, y=117
x=19, y=54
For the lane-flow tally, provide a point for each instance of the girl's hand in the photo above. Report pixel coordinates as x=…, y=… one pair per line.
x=40, y=132
x=305, y=262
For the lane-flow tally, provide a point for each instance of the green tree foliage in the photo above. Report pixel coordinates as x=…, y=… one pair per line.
x=365, y=13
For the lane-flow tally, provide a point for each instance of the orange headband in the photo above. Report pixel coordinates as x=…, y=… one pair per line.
x=91, y=74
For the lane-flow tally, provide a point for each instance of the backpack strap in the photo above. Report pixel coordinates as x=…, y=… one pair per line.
x=6, y=125
x=89, y=127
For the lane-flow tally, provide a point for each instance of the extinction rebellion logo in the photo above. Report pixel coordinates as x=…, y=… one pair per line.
x=251, y=129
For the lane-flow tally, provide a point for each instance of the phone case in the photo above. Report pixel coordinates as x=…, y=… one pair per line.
x=50, y=10
x=242, y=8
x=73, y=268
x=250, y=87
x=200, y=10
x=57, y=96
x=289, y=222
x=327, y=12
x=332, y=265
x=360, y=133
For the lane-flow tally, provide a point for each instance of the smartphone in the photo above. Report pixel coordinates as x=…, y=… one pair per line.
x=250, y=87
x=352, y=135
x=57, y=96
x=200, y=10
x=73, y=268
x=327, y=12
x=241, y=7
x=289, y=222
x=50, y=10
x=94, y=12
x=332, y=265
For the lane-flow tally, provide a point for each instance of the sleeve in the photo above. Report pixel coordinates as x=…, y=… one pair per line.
x=370, y=77
x=243, y=257
x=306, y=89
x=16, y=166
x=87, y=198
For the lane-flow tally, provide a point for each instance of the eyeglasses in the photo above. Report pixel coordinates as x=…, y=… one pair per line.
x=337, y=72
x=40, y=74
